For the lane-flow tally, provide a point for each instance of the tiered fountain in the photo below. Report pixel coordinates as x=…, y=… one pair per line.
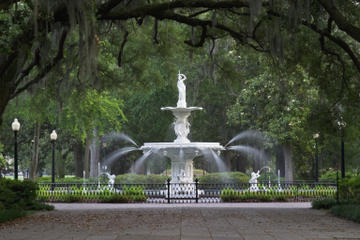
x=181, y=151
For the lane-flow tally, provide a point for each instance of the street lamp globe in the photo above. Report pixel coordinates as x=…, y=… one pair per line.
x=316, y=135
x=15, y=125
x=53, y=136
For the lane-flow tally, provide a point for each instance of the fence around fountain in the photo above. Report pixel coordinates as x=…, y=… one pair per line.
x=188, y=192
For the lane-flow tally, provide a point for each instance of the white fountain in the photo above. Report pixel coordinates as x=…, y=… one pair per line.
x=181, y=151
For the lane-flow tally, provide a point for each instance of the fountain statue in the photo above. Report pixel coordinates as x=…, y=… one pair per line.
x=181, y=151
x=253, y=181
x=182, y=91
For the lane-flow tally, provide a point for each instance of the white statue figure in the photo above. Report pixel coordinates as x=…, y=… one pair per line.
x=111, y=181
x=253, y=181
x=182, y=127
x=182, y=91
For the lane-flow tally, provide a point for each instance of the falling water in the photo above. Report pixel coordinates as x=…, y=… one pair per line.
x=210, y=154
x=247, y=149
x=247, y=134
x=141, y=160
x=219, y=162
x=117, y=154
x=115, y=135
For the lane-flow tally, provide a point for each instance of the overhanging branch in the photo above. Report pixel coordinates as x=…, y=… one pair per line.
x=47, y=68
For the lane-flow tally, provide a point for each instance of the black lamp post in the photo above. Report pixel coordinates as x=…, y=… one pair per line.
x=15, y=127
x=53, y=137
x=342, y=124
x=316, y=136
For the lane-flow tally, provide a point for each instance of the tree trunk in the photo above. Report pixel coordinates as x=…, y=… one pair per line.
x=78, y=158
x=94, y=155
x=87, y=156
x=35, y=154
x=289, y=164
x=280, y=163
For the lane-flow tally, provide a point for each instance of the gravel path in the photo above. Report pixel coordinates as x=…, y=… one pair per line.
x=258, y=221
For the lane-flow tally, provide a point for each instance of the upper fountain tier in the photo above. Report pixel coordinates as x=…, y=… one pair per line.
x=181, y=113
x=182, y=151
x=182, y=125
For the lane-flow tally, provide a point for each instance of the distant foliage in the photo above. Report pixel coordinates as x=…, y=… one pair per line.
x=140, y=179
x=225, y=177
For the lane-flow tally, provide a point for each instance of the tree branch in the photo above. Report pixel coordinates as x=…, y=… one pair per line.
x=155, y=36
x=202, y=38
x=47, y=68
x=121, y=51
x=340, y=20
x=26, y=71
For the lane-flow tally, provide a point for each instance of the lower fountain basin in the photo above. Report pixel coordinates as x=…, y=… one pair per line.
x=182, y=155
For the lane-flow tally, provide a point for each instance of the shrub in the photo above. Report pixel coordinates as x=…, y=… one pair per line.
x=17, y=194
x=225, y=177
x=348, y=211
x=9, y=214
x=349, y=189
x=131, y=178
x=330, y=175
x=323, y=203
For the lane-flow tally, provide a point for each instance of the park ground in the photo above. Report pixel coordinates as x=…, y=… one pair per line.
x=258, y=221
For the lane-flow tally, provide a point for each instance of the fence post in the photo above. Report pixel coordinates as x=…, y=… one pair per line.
x=196, y=190
x=168, y=188
x=337, y=186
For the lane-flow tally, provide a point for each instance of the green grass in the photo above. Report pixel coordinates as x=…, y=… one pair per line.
x=348, y=211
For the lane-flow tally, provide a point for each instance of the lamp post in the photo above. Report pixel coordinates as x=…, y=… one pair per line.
x=53, y=137
x=342, y=124
x=316, y=136
x=15, y=127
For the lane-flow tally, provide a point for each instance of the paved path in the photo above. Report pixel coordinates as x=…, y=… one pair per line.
x=258, y=221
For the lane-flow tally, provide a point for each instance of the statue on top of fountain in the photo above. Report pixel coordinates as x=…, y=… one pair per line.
x=182, y=91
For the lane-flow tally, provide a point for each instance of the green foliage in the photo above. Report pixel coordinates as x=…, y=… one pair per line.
x=347, y=211
x=17, y=194
x=349, y=189
x=329, y=175
x=9, y=214
x=78, y=193
x=224, y=177
x=47, y=179
x=90, y=110
x=323, y=203
x=140, y=179
x=16, y=197
x=275, y=194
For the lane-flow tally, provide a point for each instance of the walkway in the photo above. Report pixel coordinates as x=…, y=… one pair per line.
x=258, y=221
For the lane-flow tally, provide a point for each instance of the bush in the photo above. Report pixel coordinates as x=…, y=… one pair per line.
x=330, y=175
x=17, y=194
x=225, y=177
x=349, y=189
x=348, y=211
x=47, y=179
x=131, y=178
x=9, y=214
x=323, y=203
